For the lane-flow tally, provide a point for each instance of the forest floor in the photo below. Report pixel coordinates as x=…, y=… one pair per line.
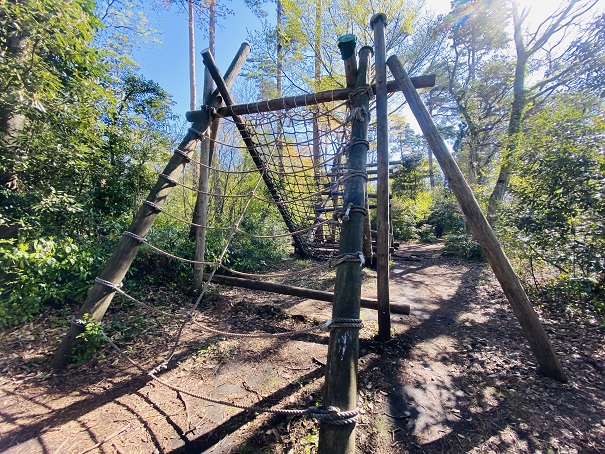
x=456, y=377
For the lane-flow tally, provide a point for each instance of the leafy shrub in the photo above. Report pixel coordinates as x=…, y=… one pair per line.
x=44, y=271
x=577, y=295
x=445, y=216
x=463, y=246
x=92, y=338
x=409, y=216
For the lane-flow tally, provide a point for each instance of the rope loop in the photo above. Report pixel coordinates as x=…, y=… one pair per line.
x=354, y=323
x=362, y=91
x=184, y=154
x=357, y=173
x=349, y=257
x=355, y=141
x=200, y=135
x=345, y=212
x=169, y=179
x=359, y=140
x=333, y=415
x=156, y=208
x=111, y=285
x=140, y=239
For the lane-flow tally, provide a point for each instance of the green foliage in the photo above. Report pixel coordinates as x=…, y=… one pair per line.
x=409, y=177
x=410, y=215
x=463, y=246
x=445, y=215
x=556, y=222
x=45, y=271
x=560, y=190
x=92, y=338
x=579, y=296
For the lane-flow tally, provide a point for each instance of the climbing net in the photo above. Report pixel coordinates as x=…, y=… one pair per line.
x=298, y=165
x=302, y=152
x=295, y=160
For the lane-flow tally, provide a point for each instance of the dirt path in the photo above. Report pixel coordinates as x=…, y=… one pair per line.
x=456, y=377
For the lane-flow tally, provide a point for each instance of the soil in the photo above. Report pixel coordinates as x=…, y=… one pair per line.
x=457, y=375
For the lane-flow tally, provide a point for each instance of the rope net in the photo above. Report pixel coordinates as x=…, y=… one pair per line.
x=302, y=155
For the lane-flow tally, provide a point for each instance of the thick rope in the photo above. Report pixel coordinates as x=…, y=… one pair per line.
x=349, y=257
x=332, y=415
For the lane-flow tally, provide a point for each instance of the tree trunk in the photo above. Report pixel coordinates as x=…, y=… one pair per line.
x=192, y=87
x=200, y=214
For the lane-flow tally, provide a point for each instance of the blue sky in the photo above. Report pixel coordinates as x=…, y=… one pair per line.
x=168, y=63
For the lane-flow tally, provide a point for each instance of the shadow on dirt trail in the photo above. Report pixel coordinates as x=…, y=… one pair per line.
x=457, y=376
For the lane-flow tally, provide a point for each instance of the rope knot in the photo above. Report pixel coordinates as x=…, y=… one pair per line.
x=333, y=415
x=140, y=239
x=349, y=257
x=77, y=321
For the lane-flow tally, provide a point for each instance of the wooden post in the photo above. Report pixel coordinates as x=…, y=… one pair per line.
x=100, y=296
x=378, y=23
x=347, y=44
x=282, y=289
x=341, y=372
x=201, y=202
x=533, y=331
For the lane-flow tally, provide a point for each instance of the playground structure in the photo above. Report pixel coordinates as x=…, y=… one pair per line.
x=311, y=156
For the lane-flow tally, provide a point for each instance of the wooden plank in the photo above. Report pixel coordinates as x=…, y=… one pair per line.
x=533, y=331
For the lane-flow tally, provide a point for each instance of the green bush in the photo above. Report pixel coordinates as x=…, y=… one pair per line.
x=463, y=246
x=44, y=271
x=409, y=216
x=578, y=295
x=446, y=217
x=91, y=339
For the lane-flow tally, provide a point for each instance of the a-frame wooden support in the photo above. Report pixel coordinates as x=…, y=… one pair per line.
x=549, y=364
x=100, y=295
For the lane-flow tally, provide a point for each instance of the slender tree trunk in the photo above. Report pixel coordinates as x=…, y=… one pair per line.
x=514, y=124
x=279, y=81
x=317, y=85
x=192, y=88
x=12, y=123
x=201, y=203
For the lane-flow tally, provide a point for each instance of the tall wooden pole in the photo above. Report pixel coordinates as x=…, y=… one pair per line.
x=100, y=295
x=341, y=372
x=201, y=202
x=378, y=23
x=530, y=323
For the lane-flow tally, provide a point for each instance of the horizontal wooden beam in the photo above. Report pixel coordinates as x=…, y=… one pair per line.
x=310, y=99
x=368, y=303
